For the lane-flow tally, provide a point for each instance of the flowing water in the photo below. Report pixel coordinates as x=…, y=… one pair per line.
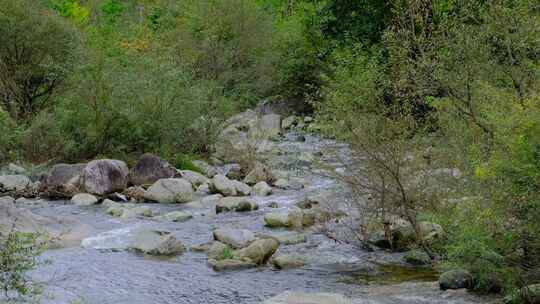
x=97, y=276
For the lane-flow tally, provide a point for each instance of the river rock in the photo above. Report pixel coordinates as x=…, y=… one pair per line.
x=288, y=261
x=211, y=200
x=404, y=236
x=230, y=264
x=195, y=178
x=149, y=169
x=107, y=203
x=241, y=188
x=281, y=183
x=271, y=124
x=175, y=216
x=262, y=189
x=417, y=258
x=260, y=173
x=204, y=189
x=105, y=176
x=238, y=204
x=170, y=190
x=216, y=250
x=140, y=211
x=290, y=297
x=63, y=180
x=223, y=185
x=205, y=168
x=156, y=242
x=16, y=169
x=288, y=122
x=258, y=252
x=84, y=199
x=455, y=279
x=236, y=238
x=136, y=194
x=291, y=238
x=14, y=183
x=293, y=218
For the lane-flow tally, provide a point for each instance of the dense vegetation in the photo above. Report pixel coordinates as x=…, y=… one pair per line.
x=416, y=84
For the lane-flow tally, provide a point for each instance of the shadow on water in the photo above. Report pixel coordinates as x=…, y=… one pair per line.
x=391, y=274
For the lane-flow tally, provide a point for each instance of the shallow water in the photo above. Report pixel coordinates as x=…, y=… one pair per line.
x=86, y=275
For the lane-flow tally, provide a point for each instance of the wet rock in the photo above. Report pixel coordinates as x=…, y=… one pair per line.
x=258, y=252
x=63, y=180
x=417, y=258
x=149, y=169
x=271, y=124
x=204, y=189
x=110, y=203
x=238, y=204
x=195, y=178
x=293, y=218
x=105, y=176
x=272, y=205
x=233, y=171
x=140, y=211
x=241, y=188
x=223, y=185
x=216, y=250
x=156, y=242
x=260, y=173
x=115, y=211
x=288, y=122
x=135, y=193
x=288, y=261
x=455, y=279
x=170, y=190
x=281, y=183
x=16, y=169
x=262, y=189
x=236, y=238
x=291, y=238
x=230, y=264
x=84, y=199
x=211, y=200
x=290, y=297
x=205, y=168
x=14, y=183
x=175, y=216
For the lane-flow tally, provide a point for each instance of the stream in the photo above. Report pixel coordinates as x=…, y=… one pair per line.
x=77, y=275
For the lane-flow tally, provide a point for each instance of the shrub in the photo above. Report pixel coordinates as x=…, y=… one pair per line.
x=19, y=253
x=39, y=50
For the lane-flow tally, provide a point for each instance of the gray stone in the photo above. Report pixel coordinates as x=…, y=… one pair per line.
x=260, y=173
x=258, y=252
x=140, y=211
x=288, y=122
x=262, y=189
x=195, y=178
x=175, y=216
x=417, y=258
x=290, y=297
x=223, y=185
x=238, y=204
x=241, y=188
x=236, y=238
x=84, y=199
x=217, y=250
x=149, y=169
x=63, y=180
x=16, y=169
x=288, y=261
x=455, y=279
x=230, y=264
x=105, y=176
x=14, y=183
x=156, y=242
x=170, y=190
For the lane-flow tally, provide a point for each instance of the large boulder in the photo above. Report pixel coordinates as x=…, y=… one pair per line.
x=149, y=169
x=271, y=124
x=455, y=279
x=293, y=218
x=223, y=185
x=290, y=297
x=241, y=188
x=170, y=190
x=63, y=180
x=404, y=235
x=236, y=238
x=238, y=204
x=84, y=199
x=156, y=242
x=258, y=252
x=14, y=183
x=105, y=176
x=288, y=261
x=260, y=173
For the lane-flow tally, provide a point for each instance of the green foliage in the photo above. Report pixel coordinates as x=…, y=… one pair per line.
x=19, y=252
x=38, y=53
x=71, y=9
x=227, y=253
x=185, y=162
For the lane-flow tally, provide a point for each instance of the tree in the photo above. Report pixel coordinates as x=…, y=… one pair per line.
x=37, y=51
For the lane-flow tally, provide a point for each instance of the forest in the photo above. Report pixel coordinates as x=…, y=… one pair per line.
x=414, y=86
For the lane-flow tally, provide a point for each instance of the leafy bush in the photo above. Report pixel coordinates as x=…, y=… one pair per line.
x=19, y=252
x=39, y=50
